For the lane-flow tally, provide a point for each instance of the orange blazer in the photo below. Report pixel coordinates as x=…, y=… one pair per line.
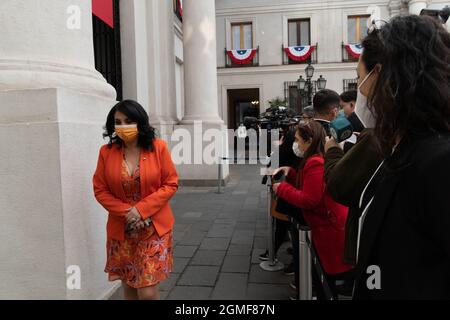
x=159, y=182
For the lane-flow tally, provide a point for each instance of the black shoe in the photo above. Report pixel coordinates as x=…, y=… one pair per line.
x=289, y=269
x=289, y=251
x=264, y=256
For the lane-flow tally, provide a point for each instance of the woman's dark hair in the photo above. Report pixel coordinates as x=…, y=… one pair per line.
x=412, y=94
x=136, y=113
x=287, y=155
x=315, y=131
x=349, y=96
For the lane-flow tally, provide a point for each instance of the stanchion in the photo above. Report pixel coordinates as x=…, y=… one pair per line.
x=272, y=264
x=220, y=176
x=305, y=280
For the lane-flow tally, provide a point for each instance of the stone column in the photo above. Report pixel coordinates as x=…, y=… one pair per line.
x=38, y=48
x=201, y=98
x=200, y=59
x=415, y=6
x=161, y=54
x=148, y=58
x=394, y=8
x=53, y=104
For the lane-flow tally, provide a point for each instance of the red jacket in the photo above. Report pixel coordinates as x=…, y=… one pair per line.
x=325, y=217
x=159, y=182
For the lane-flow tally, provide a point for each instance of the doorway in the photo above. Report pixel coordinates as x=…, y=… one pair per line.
x=242, y=103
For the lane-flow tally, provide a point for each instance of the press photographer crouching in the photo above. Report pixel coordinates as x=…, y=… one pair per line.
x=305, y=188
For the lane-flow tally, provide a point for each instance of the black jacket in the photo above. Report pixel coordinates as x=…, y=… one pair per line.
x=406, y=232
x=326, y=125
x=346, y=176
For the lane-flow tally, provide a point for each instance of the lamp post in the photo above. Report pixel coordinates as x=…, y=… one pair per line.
x=308, y=87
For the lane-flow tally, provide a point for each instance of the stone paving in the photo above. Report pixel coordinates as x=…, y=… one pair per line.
x=218, y=238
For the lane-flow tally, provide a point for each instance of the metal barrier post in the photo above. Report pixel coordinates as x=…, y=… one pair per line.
x=305, y=280
x=220, y=177
x=272, y=264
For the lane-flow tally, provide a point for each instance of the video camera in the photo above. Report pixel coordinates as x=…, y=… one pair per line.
x=442, y=15
x=278, y=117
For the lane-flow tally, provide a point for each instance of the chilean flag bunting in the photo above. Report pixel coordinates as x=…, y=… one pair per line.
x=299, y=53
x=354, y=50
x=243, y=56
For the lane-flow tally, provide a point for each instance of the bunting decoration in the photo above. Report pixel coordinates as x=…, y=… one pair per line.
x=104, y=10
x=354, y=50
x=299, y=53
x=244, y=56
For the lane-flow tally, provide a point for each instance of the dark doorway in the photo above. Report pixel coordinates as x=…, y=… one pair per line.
x=107, y=50
x=242, y=103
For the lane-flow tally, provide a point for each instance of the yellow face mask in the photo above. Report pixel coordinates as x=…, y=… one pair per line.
x=127, y=133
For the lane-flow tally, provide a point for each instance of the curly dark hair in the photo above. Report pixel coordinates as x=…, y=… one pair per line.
x=136, y=113
x=412, y=94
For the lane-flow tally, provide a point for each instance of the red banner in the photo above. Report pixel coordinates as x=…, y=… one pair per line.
x=104, y=10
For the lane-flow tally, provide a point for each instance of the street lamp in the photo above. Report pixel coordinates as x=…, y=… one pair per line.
x=309, y=71
x=308, y=87
x=321, y=83
x=301, y=83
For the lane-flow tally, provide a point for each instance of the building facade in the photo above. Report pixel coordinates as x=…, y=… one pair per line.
x=61, y=71
x=271, y=26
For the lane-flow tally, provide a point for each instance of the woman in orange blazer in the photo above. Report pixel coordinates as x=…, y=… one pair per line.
x=134, y=181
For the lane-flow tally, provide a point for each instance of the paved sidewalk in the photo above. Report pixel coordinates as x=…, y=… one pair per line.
x=218, y=238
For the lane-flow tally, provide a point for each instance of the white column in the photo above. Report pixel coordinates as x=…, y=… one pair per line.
x=200, y=60
x=394, y=8
x=415, y=6
x=133, y=38
x=39, y=50
x=53, y=105
x=161, y=53
x=201, y=114
x=148, y=59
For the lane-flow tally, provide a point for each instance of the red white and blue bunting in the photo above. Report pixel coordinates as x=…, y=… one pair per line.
x=354, y=50
x=299, y=53
x=244, y=56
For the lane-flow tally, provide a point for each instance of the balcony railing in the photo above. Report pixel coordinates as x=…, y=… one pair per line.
x=350, y=84
x=312, y=59
x=229, y=63
x=346, y=57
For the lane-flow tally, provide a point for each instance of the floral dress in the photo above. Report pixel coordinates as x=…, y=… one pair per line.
x=143, y=259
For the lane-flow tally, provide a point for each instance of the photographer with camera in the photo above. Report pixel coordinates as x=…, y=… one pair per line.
x=306, y=190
